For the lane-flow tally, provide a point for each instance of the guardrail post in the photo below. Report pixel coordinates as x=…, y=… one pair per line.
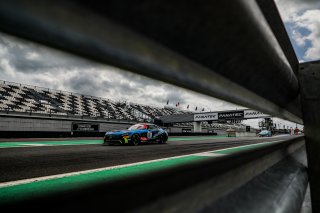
x=309, y=76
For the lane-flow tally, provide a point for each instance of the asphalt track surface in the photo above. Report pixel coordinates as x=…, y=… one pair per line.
x=18, y=163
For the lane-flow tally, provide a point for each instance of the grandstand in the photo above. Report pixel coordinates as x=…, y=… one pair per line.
x=26, y=99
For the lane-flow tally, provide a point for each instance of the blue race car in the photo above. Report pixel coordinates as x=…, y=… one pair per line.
x=136, y=134
x=265, y=133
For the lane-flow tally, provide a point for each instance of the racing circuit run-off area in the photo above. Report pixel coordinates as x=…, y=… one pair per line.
x=160, y=106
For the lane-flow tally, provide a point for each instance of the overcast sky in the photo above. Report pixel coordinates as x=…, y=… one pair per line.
x=28, y=63
x=302, y=21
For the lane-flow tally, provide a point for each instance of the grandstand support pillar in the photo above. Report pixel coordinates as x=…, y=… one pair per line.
x=197, y=126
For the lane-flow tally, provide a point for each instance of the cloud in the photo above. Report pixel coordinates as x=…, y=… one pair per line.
x=310, y=20
x=27, y=57
x=302, y=21
x=290, y=9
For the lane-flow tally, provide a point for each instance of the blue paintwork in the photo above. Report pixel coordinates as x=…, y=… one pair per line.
x=265, y=133
x=127, y=132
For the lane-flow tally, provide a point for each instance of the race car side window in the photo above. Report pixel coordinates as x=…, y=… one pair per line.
x=152, y=127
x=138, y=126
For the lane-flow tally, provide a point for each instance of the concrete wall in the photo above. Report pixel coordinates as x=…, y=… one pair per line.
x=176, y=129
x=220, y=132
x=17, y=123
x=8, y=123
x=203, y=130
x=104, y=127
x=245, y=134
x=29, y=124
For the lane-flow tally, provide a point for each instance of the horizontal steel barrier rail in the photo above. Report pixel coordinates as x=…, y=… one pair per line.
x=271, y=13
x=195, y=186
x=225, y=49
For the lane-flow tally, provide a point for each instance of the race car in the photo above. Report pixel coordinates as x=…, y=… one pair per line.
x=265, y=133
x=137, y=134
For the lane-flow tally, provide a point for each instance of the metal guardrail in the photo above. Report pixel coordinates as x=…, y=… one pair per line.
x=235, y=50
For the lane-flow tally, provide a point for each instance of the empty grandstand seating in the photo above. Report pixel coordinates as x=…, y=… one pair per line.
x=31, y=99
x=36, y=100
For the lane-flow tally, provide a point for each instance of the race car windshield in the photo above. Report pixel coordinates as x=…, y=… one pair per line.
x=138, y=126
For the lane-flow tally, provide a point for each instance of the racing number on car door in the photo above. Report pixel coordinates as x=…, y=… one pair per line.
x=149, y=134
x=154, y=130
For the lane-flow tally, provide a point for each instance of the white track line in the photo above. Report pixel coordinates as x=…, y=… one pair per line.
x=210, y=154
x=32, y=144
x=31, y=180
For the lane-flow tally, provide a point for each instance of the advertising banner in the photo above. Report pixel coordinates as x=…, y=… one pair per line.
x=85, y=127
x=206, y=116
x=254, y=114
x=231, y=115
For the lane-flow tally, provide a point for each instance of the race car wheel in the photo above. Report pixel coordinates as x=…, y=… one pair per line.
x=162, y=139
x=135, y=140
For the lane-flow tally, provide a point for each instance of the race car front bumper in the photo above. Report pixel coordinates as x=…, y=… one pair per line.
x=119, y=141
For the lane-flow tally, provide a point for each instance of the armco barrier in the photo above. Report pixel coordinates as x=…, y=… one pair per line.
x=235, y=50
